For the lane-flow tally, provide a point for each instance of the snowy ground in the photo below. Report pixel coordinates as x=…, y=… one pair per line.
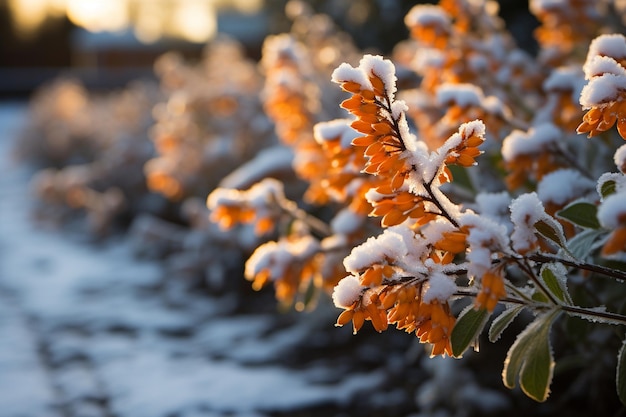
x=86, y=332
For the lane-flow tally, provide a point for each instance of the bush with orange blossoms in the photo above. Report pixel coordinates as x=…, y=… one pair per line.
x=457, y=190
x=448, y=189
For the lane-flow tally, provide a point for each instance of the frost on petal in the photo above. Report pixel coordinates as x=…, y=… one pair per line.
x=613, y=45
x=440, y=287
x=603, y=65
x=346, y=72
x=526, y=210
x=602, y=90
x=388, y=245
x=563, y=185
x=347, y=291
x=620, y=158
x=612, y=211
x=383, y=69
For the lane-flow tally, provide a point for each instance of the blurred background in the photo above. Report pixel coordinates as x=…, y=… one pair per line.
x=106, y=43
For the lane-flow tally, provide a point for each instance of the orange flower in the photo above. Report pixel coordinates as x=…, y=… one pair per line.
x=601, y=118
x=491, y=291
x=368, y=307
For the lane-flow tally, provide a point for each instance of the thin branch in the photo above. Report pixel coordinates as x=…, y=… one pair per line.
x=603, y=270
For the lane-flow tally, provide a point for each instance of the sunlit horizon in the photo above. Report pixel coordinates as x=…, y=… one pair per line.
x=149, y=20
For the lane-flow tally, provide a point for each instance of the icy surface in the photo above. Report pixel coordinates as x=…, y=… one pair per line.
x=87, y=331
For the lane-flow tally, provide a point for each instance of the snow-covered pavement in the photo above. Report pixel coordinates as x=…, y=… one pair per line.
x=86, y=331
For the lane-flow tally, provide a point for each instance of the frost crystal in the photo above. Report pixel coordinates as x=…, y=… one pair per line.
x=347, y=291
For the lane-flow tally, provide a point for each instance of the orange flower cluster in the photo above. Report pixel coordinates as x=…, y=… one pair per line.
x=201, y=112
x=290, y=264
x=604, y=97
x=259, y=205
x=563, y=26
x=403, y=306
x=432, y=322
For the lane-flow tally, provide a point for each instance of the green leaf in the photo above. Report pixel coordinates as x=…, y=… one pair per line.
x=582, y=214
x=538, y=368
x=501, y=322
x=607, y=188
x=581, y=245
x=620, y=380
x=551, y=229
x=530, y=358
x=467, y=328
x=555, y=280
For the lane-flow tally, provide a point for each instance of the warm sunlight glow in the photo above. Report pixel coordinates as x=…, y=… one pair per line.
x=195, y=20
x=192, y=20
x=99, y=15
x=28, y=14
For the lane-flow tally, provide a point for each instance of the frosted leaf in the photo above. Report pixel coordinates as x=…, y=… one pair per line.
x=563, y=185
x=618, y=179
x=526, y=210
x=602, y=90
x=612, y=211
x=383, y=68
x=347, y=291
x=440, y=287
x=346, y=72
x=613, y=45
